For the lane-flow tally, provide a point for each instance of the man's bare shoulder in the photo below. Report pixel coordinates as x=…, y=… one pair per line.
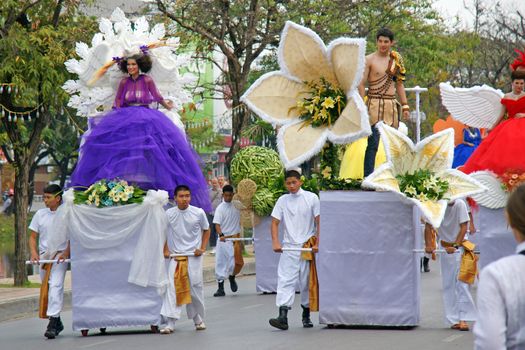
x=369, y=58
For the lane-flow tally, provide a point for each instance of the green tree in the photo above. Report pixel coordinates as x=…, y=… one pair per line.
x=36, y=38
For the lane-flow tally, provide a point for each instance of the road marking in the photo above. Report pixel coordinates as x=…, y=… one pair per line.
x=452, y=338
x=251, y=306
x=95, y=344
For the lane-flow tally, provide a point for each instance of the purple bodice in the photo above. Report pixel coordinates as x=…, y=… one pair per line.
x=141, y=91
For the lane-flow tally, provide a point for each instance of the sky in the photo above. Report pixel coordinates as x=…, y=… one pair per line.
x=451, y=8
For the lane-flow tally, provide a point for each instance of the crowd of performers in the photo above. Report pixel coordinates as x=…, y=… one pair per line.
x=141, y=145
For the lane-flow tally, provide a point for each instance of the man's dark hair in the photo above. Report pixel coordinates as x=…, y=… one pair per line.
x=227, y=188
x=143, y=61
x=292, y=173
x=181, y=188
x=53, y=189
x=387, y=33
x=517, y=75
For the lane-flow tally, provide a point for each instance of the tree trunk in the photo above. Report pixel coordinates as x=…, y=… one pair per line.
x=21, y=237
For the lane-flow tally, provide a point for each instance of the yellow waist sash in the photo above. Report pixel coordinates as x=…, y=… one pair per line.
x=468, y=269
x=182, y=281
x=313, y=283
x=237, y=254
x=44, y=291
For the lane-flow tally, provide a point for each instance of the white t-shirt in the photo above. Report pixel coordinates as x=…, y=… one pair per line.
x=501, y=304
x=228, y=217
x=296, y=213
x=455, y=215
x=43, y=224
x=185, y=229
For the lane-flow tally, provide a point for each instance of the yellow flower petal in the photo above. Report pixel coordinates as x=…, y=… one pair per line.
x=274, y=98
x=304, y=55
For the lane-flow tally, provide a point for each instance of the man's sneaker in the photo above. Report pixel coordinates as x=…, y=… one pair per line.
x=200, y=327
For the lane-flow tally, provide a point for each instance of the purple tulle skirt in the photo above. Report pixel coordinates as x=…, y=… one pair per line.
x=145, y=148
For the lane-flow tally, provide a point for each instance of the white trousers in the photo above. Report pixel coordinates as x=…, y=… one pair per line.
x=224, y=260
x=457, y=300
x=55, y=298
x=292, y=269
x=195, y=311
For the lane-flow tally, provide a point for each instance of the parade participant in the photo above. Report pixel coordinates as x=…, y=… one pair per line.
x=501, y=150
x=298, y=212
x=215, y=198
x=139, y=144
x=471, y=140
x=457, y=300
x=227, y=222
x=384, y=73
x=501, y=306
x=52, y=275
x=188, y=233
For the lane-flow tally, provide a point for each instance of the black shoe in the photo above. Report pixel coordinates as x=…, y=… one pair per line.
x=233, y=284
x=281, y=322
x=220, y=290
x=307, y=323
x=51, y=331
x=60, y=327
x=425, y=264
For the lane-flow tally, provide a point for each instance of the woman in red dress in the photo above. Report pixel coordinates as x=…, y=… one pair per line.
x=504, y=147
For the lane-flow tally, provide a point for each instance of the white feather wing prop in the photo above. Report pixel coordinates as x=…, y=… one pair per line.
x=478, y=106
x=495, y=197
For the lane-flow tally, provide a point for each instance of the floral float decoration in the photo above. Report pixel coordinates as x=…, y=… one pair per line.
x=313, y=97
x=109, y=193
x=422, y=173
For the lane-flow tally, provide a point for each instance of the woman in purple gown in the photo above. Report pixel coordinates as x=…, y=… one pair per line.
x=139, y=144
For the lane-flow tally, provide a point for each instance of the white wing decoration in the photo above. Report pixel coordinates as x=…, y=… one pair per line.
x=119, y=37
x=478, y=106
x=495, y=197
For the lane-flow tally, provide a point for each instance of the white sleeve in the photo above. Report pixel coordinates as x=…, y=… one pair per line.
x=490, y=328
x=277, y=211
x=203, y=221
x=35, y=222
x=219, y=213
x=316, y=206
x=463, y=213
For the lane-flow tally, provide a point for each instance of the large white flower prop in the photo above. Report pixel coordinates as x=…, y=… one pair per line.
x=120, y=37
x=305, y=60
x=432, y=155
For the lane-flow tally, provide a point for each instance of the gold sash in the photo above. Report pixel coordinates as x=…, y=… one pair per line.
x=237, y=253
x=44, y=291
x=313, y=283
x=182, y=281
x=468, y=269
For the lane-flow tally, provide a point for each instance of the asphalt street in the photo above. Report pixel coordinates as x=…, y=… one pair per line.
x=240, y=321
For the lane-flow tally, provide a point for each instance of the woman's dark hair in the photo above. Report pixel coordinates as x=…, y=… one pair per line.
x=387, y=33
x=143, y=61
x=517, y=75
x=516, y=209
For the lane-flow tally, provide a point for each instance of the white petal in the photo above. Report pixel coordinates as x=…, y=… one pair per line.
x=298, y=144
x=303, y=55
